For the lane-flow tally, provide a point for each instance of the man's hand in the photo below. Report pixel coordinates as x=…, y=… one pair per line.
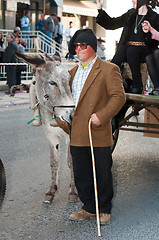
x=95, y=119
x=146, y=27
x=99, y=4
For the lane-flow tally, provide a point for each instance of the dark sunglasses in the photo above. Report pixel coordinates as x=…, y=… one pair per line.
x=81, y=45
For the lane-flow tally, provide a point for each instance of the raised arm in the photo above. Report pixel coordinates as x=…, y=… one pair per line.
x=107, y=22
x=99, y=4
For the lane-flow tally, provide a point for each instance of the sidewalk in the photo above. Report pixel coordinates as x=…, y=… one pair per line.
x=20, y=98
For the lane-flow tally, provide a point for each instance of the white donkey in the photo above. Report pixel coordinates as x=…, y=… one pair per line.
x=51, y=86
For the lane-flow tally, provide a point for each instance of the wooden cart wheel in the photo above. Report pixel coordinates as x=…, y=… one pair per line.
x=2, y=182
x=115, y=133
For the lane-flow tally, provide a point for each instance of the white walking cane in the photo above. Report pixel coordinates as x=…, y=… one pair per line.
x=95, y=180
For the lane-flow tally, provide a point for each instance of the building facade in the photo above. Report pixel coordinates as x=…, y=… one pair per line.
x=11, y=11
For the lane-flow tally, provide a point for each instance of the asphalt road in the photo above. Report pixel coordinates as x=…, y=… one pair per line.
x=25, y=154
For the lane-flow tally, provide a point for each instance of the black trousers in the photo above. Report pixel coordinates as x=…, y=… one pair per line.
x=19, y=69
x=11, y=75
x=134, y=55
x=83, y=173
x=152, y=61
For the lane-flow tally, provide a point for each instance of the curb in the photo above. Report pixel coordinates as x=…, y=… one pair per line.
x=3, y=87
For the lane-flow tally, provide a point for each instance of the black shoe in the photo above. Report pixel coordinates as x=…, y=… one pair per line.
x=136, y=90
x=14, y=90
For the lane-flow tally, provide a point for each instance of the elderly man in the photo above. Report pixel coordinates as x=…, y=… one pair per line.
x=49, y=29
x=17, y=32
x=98, y=95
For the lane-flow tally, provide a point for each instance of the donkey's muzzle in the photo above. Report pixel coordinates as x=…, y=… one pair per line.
x=68, y=116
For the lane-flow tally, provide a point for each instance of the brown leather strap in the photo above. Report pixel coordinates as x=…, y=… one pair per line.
x=135, y=43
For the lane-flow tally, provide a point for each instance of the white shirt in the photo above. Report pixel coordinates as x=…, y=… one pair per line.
x=79, y=80
x=25, y=24
x=69, y=32
x=100, y=50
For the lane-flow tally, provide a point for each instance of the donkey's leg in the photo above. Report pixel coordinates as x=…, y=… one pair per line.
x=54, y=164
x=73, y=195
x=33, y=102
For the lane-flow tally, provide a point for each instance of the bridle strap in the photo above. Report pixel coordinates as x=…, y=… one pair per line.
x=63, y=106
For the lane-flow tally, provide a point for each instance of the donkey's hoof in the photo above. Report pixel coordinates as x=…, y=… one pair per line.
x=53, y=123
x=73, y=198
x=48, y=199
x=36, y=123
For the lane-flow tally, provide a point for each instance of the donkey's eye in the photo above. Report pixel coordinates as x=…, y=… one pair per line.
x=53, y=83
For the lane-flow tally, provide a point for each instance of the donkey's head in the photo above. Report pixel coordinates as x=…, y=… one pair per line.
x=52, y=85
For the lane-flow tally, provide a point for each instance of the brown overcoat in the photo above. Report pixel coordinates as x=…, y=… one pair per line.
x=103, y=94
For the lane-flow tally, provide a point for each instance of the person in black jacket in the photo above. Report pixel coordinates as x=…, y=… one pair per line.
x=9, y=57
x=134, y=44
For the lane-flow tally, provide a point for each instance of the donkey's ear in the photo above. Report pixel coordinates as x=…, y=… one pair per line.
x=37, y=61
x=48, y=58
x=56, y=57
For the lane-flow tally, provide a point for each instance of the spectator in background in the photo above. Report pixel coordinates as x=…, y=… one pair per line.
x=2, y=47
x=17, y=32
x=25, y=22
x=17, y=40
x=49, y=28
x=101, y=48
x=9, y=57
x=49, y=25
x=58, y=32
x=69, y=32
x=23, y=42
x=19, y=68
x=25, y=26
x=39, y=23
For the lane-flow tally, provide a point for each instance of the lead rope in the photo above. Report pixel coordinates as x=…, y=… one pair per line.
x=95, y=180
